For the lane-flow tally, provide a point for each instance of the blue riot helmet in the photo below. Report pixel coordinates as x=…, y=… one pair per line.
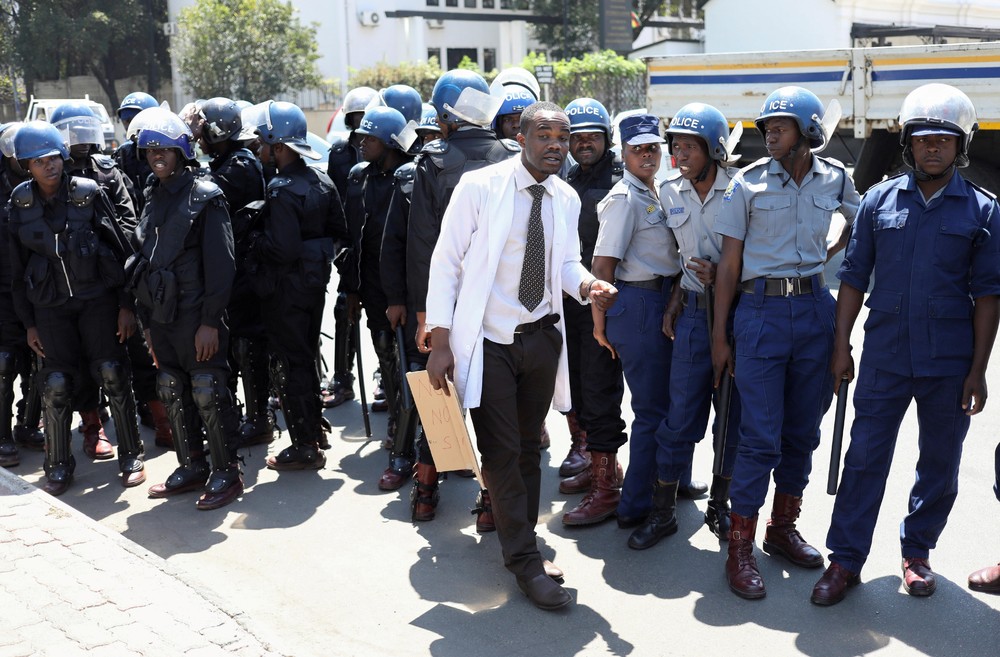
x=938, y=109
x=78, y=124
x=703, y=121
x=799, y=104
x=158, y=127
x=428, y=120
x=285, y=123
x=515, y=100
x=222, y=120
x=589, y=115
x=462, y=96
x=403, y=98
x=134, y=103
x=385, y=124
x=39, y=139
x=7, y=133
x=356, y=102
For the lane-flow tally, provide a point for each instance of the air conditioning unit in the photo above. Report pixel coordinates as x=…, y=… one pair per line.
x=370, y=17
x=435, y=23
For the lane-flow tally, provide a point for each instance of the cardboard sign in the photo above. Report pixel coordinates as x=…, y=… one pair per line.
x=444, y=426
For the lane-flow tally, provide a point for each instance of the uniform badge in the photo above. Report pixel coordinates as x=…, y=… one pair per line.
x=731, y=189
x=676, y=210
x=650, y=208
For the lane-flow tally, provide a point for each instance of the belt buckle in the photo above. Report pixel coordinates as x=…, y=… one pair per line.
x=789, y=285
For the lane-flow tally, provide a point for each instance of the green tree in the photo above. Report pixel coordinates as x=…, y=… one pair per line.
x=108, y=39
x=246, y=49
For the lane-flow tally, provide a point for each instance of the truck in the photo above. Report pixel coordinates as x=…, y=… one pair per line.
x=39, y=109
x=869, y=83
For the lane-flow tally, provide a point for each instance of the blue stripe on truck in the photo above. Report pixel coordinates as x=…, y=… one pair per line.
x=805, y=76
x=966, y=72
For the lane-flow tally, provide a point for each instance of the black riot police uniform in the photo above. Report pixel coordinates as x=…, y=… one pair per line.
x=183, y=281
x=16, y=359
x=240, y=175
x=291, y=265
x=67, y=257
x=136, y=170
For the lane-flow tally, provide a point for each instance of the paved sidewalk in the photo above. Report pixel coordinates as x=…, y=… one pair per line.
x=69, y=586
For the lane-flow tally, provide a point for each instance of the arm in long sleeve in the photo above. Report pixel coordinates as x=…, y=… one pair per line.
x=219, y=263
x=18, y=260
x=461, y=221
x=392, y=260
x=282, y=239
x=120, y=197
x=422, y=234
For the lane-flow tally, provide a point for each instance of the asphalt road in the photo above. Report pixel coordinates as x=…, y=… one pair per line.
x=327, y=565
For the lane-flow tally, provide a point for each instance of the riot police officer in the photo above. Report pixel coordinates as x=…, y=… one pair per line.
x=135, y=168
x=292, y=259
x=68, y=253
x=239, y=175
x=182, y=279
x=344, y=155
x=774, y=220
x=597, y=430
x=469, y=144
x=508, y=119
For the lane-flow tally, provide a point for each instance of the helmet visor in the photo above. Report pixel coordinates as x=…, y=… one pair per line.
x=81, y=130
x=475, y=107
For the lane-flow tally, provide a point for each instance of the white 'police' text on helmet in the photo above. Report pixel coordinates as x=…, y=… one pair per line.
x=703, y=121
x=799, y=104
x=938, y=105
x=157, y=127
x=515, y=76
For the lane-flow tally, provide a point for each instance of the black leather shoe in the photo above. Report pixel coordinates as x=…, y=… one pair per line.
x=832, y=586
x=544, y=593
x=629, y=522
x=693, y=490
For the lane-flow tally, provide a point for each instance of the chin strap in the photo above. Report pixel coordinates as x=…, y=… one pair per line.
x=924, y=176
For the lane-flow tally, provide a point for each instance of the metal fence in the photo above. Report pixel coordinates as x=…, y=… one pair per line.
x=617, y=93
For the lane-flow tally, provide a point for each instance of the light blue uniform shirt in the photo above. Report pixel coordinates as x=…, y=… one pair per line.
x=693, y=221
x=783, y=226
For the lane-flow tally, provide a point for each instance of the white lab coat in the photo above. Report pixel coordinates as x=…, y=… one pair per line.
x=464, y=265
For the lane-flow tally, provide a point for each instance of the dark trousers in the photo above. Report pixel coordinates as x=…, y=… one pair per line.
x=595, y=381
x=80, y=333
x=783, y=350
x=518, y=382
x=880, y=401
x=292, y=319
x=691, y=395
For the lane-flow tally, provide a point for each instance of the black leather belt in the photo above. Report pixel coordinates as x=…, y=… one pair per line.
x=785, y=287
x=700, y=296
x=531, y=327
x=651, y=284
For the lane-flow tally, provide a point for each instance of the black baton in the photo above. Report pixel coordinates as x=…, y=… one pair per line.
x=404, y=367
x=725, y=393
x=361, y=379
x=838, y=438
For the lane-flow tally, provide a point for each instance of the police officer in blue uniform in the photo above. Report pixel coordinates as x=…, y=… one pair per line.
x=697, y=138
x=929, y=238
x=183, y=279
x=774, y=220
x=636, y=249
x=597, y=430
x=67, y=256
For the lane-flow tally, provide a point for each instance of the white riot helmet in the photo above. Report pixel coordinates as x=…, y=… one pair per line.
x=938, y=109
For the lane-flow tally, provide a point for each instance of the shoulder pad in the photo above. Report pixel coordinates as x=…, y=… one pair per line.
x=82, y=191
x=511, y=145
x=278, y=182
x=436, y=147
x=357, y=172
x=23, y=195
x=676, y=175
x=731, y=171
x=762, y=161
x=204, y=189
x=102, y=161
x=339, y=145
x=405, y=172
x=985, y=192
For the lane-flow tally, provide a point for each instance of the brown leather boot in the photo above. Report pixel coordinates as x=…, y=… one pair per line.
x=484, y=513
x=164, y=434
x=578, y=458
x=95, y=444
x=782, y=538
x=741, y=566
x=601, y=502
x=424, y=495
x=581, y=483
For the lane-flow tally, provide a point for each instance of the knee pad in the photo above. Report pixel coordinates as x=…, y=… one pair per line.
x=205, y=391
x=340, y=308
x=8, y=364
x=279, y=373
x=58, y=390
x=114, y=377
x=169, y=387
